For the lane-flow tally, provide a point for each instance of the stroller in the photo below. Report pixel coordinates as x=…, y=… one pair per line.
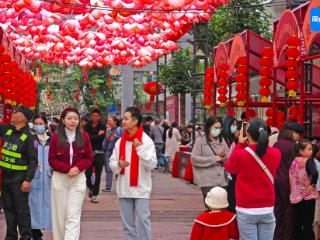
x=163, y=163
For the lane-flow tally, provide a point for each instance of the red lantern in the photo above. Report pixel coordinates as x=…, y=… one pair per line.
x=241, y=79
x=265, y=73
x=222, y=82
x=292, y=73
x=208, y=86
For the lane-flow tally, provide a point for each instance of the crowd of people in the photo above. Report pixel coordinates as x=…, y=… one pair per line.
x=257, y=182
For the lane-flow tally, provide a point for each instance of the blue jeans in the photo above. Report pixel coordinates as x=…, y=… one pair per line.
x=135, y=216
x=108, y=172
x=256, y=227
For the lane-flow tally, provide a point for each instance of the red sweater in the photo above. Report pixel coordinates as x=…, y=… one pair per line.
x=59, y=157
x=253, y=187
x=215, y=225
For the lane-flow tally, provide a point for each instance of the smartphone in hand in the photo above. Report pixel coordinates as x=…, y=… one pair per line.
x=244, y=129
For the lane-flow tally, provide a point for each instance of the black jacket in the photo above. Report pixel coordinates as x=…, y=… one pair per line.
x=95, y=139
x=28, y=154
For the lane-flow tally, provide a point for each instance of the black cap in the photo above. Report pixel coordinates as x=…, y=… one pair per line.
x=294, y=126
x=27, y=112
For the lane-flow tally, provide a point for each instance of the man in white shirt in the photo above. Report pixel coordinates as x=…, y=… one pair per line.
x=133, y=158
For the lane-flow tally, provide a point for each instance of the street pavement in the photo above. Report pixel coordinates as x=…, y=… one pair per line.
x=174, y=204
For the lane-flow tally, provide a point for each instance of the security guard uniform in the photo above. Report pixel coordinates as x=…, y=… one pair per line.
x=18, y=162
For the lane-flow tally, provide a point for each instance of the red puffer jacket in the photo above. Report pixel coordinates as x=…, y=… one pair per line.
x=59, y=157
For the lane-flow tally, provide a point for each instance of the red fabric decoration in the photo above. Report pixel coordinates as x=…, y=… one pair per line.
x=134, y=164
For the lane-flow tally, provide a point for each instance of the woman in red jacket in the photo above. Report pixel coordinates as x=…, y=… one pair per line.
x=69, y=155
x=255, y=164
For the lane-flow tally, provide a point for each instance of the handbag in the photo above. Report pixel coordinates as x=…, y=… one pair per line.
x=262, y=165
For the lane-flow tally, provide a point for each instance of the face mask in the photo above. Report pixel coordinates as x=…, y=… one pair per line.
x=215, y=132
x=40, y=129
x=233, y=129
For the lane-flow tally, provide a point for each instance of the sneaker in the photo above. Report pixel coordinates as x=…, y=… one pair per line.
x=90, y=193
x=94, y=199
x=106, y=189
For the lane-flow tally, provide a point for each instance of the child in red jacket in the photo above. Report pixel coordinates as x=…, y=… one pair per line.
x=218, y=224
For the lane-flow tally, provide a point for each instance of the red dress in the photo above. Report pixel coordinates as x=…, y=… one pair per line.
x=215, y=225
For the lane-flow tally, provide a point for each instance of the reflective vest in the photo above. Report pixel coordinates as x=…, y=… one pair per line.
x=11, y=152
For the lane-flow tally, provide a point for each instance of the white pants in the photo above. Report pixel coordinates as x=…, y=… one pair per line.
x=67, y=196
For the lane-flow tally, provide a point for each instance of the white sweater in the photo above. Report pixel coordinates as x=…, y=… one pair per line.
x=147, y=162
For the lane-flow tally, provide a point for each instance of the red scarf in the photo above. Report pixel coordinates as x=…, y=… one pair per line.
x=134, y=164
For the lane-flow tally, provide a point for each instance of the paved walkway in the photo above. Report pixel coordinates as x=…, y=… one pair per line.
x=174, y=204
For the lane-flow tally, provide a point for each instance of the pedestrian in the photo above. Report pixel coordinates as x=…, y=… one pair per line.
x=172, y=142
x=156, y=134
x=19, y=163
x=303, y=191
x=70, y=154
x=96, y=130
x=208, y=155
x=231, y=138
x=39, y=198
x=218, y=223
x=133, y=158
x=111, y=137
x=316, y=222
x=290, y=133
x=255, y=163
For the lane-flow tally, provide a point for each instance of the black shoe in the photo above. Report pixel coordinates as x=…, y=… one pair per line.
x=106, y=189
x=90, y=193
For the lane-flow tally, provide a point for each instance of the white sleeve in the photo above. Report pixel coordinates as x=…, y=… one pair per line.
x=147, y=154
x=114, y=159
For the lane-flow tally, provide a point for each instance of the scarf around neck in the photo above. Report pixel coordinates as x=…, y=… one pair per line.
x=134, y=163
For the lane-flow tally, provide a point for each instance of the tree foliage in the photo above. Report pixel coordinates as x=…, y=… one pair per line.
x=175, y=74
x=236, y=17
x=70, y=87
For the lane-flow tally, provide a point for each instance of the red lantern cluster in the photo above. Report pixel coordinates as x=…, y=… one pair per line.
x=265, y=73
x=292, y=73
x=223, y=83
x=293, y=113
x=275, y=118
x=250, y=113
x=242, y=79
x=208, y=87
x=17, y=86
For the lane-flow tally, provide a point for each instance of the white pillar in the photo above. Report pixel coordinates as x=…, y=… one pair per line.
x=127, y=88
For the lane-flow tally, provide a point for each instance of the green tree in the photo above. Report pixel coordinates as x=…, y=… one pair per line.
x=236, y=17
x=71, y=88
x=175, y=75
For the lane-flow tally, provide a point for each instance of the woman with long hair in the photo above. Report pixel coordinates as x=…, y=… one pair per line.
x=70, y=155
x=255, y=164
x=208, y=155
x=39, y=198
x=173, y=138
x=284, y=212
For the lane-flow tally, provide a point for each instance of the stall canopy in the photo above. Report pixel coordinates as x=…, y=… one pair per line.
x=101, y=32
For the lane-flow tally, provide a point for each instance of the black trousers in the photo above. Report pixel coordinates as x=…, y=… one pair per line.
x=98, y=163
x=17, y=211
x=304, y=214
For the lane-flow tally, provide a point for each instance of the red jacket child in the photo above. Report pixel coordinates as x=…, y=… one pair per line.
x=218, y=224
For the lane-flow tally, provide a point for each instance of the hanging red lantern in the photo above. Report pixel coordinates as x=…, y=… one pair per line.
x=292, y=73
x=293, y=113
x=250, y=113
x=265, y=73
x=152, y=88
x=270, y=114
x=223, y=83
x=242, y=70
x=208, y=87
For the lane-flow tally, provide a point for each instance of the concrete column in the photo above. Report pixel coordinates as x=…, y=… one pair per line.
x=127, y=88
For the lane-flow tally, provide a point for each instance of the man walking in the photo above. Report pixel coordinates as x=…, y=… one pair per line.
x=96, y=130
x=133, y=159
x=156, y=133
x=109, y=142
x=19, y=163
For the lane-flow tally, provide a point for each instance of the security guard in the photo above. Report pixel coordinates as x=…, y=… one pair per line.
x=18, y=162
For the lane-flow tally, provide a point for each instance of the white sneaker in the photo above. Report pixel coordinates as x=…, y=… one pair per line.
x=94, y=199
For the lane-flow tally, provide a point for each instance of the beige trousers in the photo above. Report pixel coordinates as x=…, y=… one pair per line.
x=67, y=196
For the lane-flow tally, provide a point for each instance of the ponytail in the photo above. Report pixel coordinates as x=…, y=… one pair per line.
x=173, y=125
x=263, y=142
x=258, y=132
x=170, y=132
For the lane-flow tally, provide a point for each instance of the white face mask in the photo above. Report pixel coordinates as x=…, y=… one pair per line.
x=233, y=129
x=215, y=132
